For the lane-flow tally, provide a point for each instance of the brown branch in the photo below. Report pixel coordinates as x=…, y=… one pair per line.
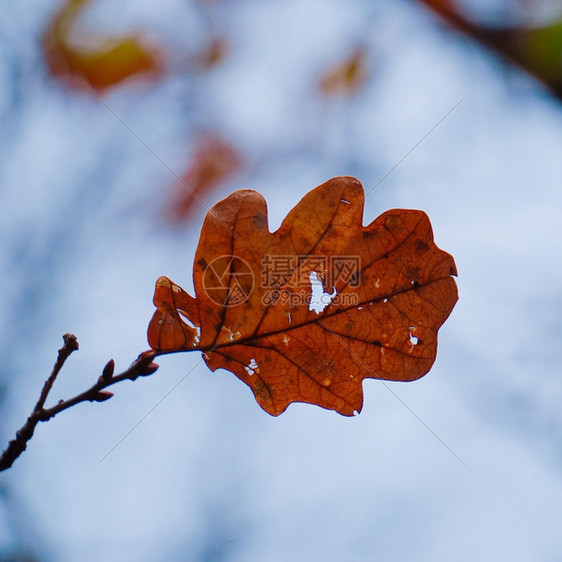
x=506, y=42
x=142, y=366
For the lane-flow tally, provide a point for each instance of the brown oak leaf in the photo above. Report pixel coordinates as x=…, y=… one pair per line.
x=214, y=161
x=386, y=289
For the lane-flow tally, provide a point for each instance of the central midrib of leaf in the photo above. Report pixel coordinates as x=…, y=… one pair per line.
x=257, y=336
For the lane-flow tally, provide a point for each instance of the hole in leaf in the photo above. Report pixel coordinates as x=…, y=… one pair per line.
x=319, y=300
x=414, y=340
x=191, y=325
x=252, y=367
x=233, y=336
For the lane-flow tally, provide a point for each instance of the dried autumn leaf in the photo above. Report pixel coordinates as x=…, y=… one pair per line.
x=346, y=77
x=213, y=162
x=382, y=320
x=113, y=61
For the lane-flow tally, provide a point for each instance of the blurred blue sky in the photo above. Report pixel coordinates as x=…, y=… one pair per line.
x=208, y=476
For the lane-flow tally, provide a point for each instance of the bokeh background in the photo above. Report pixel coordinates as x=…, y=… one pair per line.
x=463, y=464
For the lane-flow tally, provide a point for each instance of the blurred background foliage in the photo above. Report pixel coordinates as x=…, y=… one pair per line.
x=216, y=100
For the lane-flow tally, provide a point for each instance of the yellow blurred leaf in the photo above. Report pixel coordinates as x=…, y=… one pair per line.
x=348, y=76
x=112, y=62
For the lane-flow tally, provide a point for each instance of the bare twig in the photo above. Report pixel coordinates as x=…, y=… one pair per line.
x=142, y=366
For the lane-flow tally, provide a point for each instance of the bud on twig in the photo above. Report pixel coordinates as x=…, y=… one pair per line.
x=101, y=396
x=144, y=365
x=71, y=342
x=145, y=357
x=148, y=369
x=107, y=373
